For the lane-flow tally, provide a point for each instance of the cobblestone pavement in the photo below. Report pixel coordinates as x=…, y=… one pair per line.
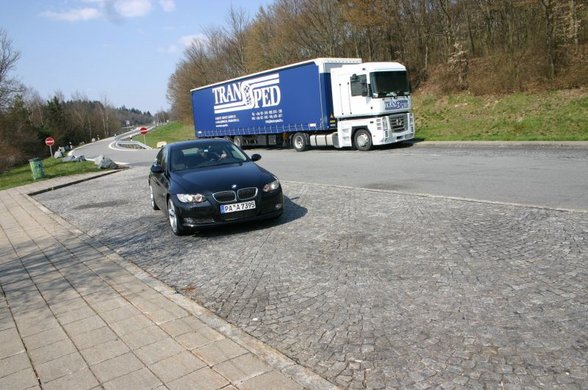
x=375, y=289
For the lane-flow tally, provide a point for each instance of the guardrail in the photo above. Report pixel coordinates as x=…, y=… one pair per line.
x=131, y=144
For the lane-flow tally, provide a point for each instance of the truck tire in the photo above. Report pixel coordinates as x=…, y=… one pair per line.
x=238, y=140
x=300, y=142
x=362, y=140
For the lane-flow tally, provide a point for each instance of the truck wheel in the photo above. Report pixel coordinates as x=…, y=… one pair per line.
x=238, y=140
x=300, y=142
x=363, y=140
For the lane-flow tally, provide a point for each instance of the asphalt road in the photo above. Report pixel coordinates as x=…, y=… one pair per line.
x=372, y=286
x=555, y=177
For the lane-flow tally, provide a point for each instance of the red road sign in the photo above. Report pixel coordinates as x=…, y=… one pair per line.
x=143, y=130
x=49, y=141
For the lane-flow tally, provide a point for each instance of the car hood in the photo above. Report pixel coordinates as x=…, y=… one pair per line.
x=220, y=178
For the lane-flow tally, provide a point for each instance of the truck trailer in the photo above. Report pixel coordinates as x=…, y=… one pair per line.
x=340, y=102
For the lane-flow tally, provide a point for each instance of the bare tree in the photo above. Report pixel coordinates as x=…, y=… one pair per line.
x=9, y=87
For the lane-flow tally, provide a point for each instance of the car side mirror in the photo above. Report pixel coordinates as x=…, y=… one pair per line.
x=156, y=168
x=255, y=157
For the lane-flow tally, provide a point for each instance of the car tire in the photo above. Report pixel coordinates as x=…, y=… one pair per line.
x=362, y=140
x=175, y=222
x=300, y=142
x=153, y=204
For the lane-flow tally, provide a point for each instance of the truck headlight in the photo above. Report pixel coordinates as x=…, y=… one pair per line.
x=269, y=187
x=191, y=198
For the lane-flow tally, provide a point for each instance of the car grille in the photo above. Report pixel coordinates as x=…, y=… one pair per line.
x=225, y=196
x=247, y=193
x=231, y=196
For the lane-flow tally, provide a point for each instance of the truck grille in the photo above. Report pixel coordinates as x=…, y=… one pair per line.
x=397, y=123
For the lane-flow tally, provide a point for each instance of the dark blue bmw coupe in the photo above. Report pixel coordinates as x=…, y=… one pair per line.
x=209, y=182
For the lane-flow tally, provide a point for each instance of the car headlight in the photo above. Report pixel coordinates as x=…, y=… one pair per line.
x=269, y=187
x=191, y=198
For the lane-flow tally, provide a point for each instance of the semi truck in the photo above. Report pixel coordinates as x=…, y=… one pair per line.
x=340, y=102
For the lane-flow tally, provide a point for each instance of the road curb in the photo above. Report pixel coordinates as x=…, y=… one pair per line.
x=503, y=144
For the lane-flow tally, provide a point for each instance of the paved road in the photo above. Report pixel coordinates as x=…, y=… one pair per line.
x=552, y=177
x=373, y=288
x=107, y=147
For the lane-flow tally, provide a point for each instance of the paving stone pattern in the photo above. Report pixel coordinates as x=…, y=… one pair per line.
x=75, y=315
x=375, y=289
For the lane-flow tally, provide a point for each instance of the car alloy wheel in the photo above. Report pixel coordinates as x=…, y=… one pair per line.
x=174, y=221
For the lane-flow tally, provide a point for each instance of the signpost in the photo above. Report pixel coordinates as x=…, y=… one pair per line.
x=49, y=141
x=143, y=131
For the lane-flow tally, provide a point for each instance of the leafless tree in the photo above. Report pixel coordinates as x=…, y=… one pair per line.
x=9, y=56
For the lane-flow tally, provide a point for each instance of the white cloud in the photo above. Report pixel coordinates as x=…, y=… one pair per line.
x=113, y=10
x=167, y=5
x=132, y=8
x=184, y=42
x=171, y=49
x=189, y=40
x=74, y=15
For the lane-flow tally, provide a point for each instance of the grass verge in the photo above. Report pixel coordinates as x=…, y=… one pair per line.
x=170, y=132
x=545, y=116
x=51, y=166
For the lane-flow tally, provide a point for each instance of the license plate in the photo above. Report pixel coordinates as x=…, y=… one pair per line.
x=231, y=208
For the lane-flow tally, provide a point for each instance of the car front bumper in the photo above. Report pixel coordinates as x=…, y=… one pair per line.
x=207, y=213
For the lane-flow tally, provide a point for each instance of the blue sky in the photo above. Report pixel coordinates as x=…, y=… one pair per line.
x=124, y=50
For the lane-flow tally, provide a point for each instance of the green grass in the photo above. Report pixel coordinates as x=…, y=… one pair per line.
x=546, y=116
x=51, y=166
x=171, y=132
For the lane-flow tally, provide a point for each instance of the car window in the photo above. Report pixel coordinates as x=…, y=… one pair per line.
x=158, y=157
x=163, y=161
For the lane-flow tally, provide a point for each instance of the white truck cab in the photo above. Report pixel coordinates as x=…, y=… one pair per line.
x=372, y=104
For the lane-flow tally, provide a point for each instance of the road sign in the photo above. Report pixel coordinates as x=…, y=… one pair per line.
x=143, y=130
x=49, y=141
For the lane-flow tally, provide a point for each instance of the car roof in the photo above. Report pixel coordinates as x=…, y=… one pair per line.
x=196, y=143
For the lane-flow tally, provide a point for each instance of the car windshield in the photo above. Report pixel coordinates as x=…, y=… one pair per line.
x=205, y=155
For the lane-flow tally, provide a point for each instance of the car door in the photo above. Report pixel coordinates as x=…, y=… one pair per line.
x=160, y=180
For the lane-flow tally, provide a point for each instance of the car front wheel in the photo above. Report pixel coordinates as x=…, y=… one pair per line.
x=175, y=222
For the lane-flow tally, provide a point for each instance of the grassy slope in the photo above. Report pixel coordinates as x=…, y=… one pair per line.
x=171, y=132
x=52, y=168
x=545, y=116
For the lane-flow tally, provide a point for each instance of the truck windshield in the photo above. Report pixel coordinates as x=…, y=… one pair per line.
x=386, y=84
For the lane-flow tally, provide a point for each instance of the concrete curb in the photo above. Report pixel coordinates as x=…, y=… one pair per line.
x=502, y=144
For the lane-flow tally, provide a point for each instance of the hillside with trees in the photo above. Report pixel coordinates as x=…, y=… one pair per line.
x=479, y=47
x=26, y=119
